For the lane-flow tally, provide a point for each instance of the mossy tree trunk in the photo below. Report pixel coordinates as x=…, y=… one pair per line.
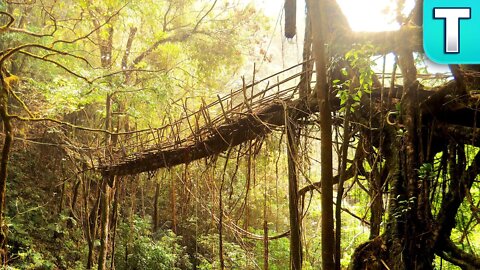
x=7, y=143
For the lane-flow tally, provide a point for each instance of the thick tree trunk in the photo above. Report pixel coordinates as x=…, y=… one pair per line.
x=321, y=88
x=7, y=143
x=409, y=237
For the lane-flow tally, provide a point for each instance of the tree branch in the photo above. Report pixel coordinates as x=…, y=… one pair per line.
x=457, y=256
x=452, y=201
x=9, y=23
x=94, y=30
x=8, y=28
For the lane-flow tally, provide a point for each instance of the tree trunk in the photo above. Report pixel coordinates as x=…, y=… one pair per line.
x=155, y=206
x=114, y=219
x=7, y=143
x=321, y=88
x=295, y=222
x=173, y=202
x=90, y=219
x=265, y=228
x=409, y=239
x=220, y=222
x=343, y=159
x=104, y=227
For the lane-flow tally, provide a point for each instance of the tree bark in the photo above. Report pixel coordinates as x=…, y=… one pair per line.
x=343, y=158
x=155, y=206
x=104, y=229
x=7, y=144
x=295, y=221
x=321, y=88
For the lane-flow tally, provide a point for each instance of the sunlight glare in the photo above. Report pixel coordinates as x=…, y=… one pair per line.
x=372, y=15
x=362, y=15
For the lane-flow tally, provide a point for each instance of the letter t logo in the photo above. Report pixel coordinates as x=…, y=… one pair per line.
x=451, y=17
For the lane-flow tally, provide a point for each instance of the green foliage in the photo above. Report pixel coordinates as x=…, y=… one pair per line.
x=278, y=251
x=403, y=206
x=442, y=264
x=139, y=248
x=38, y=236
x=235, y=256
x=425, y=171
x=360, y=59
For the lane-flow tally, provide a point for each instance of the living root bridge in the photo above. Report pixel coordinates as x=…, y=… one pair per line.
x=229, y=134
x=270, y=116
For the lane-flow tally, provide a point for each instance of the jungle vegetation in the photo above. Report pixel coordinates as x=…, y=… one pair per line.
x=140, y=135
